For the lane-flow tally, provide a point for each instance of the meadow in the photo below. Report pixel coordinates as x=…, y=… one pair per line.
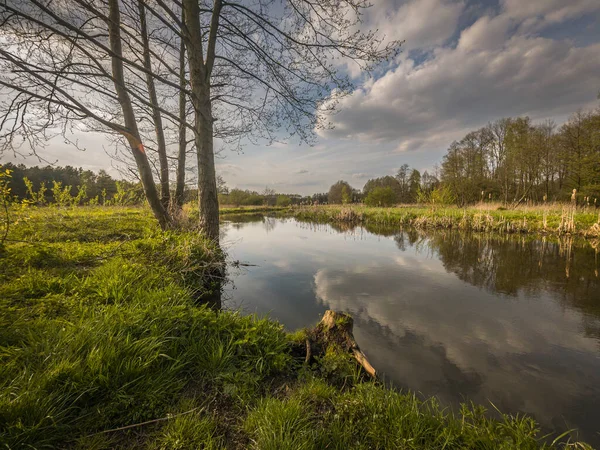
x=105, y=343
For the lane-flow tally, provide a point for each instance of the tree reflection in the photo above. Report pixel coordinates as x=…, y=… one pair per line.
x=517, y=264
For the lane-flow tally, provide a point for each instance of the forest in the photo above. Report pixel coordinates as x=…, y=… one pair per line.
x=510, y=160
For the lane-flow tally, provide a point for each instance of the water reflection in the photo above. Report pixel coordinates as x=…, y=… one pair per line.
x=512, y=320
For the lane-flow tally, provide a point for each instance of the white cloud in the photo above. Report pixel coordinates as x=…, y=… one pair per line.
x=486, y=76
x=421, y=23
x=486, y=33
x=548, y=11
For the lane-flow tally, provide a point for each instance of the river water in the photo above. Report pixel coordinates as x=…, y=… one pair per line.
x=511, y=321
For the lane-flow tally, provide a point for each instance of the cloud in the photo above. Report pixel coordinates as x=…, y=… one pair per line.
x=228, y=169
x=492, y=71
x=548, y=11
x=420, y=23
x=411, y=22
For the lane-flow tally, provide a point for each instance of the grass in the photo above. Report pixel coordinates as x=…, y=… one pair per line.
x=549, y=219
x=103, y=344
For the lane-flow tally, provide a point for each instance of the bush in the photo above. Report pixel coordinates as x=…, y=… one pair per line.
x=381, y=196
x=283, y=200
x=443, y=196
x=238, y=197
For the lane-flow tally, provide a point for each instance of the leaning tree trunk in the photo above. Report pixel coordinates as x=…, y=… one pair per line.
x=161, y=145
x=335, y=328
x=131, y=131
x=181, y=156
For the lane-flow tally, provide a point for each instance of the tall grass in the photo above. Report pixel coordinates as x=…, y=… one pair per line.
x=549, y=219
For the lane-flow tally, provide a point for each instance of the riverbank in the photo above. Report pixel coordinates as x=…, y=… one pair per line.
x=103, y=345
x=553, y=219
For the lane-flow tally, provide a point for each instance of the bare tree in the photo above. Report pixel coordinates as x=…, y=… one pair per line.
x=63, y=66
x=253, y=67
x=156, y=114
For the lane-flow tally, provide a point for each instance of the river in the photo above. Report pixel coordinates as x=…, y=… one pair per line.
x=510, y=321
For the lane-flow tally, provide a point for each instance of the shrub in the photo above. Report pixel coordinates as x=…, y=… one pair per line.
x=283, y=200
x=381, y=196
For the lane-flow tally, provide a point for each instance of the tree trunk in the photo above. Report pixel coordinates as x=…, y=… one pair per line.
x=165, y=193
x=131, y=131
x=336, y=328
x=208, y=202
x=181, y=156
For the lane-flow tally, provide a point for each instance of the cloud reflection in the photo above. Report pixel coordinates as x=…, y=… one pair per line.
x=441, y=337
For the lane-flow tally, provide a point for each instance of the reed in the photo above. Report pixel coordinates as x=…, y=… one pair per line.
x=546, y=219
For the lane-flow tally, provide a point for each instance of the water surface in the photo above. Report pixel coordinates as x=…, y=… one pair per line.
x=466, y=317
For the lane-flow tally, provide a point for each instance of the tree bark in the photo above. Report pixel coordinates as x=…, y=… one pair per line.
x=208, y=202
x=181, y=156
x=132, y=133
x=336, y=328
x=165, y=193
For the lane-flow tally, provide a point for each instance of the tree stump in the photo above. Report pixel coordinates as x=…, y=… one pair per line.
x=336, y=328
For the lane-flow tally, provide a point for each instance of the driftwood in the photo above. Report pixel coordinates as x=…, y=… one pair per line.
x=336, y=328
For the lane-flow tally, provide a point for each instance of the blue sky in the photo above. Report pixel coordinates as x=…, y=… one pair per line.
x=464, y=63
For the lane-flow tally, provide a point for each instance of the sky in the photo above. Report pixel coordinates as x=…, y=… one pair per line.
x=463, y=64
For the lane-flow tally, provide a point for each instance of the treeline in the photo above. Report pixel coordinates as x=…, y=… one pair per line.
x=407, y=186
x=239, y=197
x=49, y=185
x=515, y=160
x=511, y=160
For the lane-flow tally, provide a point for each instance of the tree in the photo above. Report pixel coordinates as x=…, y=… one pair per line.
x=65, y=64
x=428, y=182
x=270, y=196
x=340, y=192
x=222, y=187
x=386, y=181
x=283, y=200
x=381, y=196
x=253, y=68
x=414, y=185
x=402, y=177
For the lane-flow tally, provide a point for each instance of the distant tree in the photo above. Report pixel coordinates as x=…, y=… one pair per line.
x=238, y=197
x=414, y=185
x=403, y=179
x=270, y=196
x=340, y=192
x=515, y=160
x=222, y=185
x=320, y=198
x=283, y=200
x=380, y=196
x=387, y=181
x=428, y=181
x=27, y=182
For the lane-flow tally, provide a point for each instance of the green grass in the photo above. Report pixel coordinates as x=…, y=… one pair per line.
x=103, y=345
